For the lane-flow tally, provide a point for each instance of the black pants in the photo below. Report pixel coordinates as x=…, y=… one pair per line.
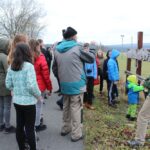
x=111, y=92
x=88, y=96
x=100, y=73
x=25, y=121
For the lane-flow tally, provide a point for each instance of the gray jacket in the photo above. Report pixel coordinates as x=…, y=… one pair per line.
x=69, y=66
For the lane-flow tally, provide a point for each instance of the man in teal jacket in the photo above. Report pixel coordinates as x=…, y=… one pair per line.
x=69, y=59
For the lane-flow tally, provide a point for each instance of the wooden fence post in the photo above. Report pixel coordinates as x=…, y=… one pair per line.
x=140, y=45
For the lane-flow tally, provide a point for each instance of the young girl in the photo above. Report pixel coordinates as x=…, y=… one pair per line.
x=21, y=79
x=19, y=38
x=42, y=77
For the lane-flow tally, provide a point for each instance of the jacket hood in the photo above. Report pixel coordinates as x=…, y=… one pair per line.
x=66, y=45
x=132, y=79
x=4, y=46
x=114, y=54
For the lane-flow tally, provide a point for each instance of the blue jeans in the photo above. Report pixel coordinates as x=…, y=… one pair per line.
x=5, y=106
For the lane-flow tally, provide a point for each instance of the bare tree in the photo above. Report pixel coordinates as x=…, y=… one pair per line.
x=20, y=16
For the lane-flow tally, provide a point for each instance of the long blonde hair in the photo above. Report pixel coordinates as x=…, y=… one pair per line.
x=19, y=38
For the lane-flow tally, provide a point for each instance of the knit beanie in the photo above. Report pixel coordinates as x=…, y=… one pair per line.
x=68, y=33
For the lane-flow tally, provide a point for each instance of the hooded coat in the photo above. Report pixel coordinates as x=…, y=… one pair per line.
x=3, y=67
x=69, y=60
x=113, y=71
x=133, y=89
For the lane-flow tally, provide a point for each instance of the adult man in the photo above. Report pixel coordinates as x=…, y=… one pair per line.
x=69, y=59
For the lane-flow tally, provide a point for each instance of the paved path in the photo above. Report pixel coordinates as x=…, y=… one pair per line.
x=50, y=139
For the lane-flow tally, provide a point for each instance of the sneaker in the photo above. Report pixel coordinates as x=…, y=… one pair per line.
x=2, y=127
x=41, y=121
x=64, y=133
x=75, y=140
x=27, y=147
x=40, y=127
x=11, y=129
x=134, y=144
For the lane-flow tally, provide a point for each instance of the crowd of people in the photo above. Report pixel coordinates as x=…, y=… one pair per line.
x=25, y=67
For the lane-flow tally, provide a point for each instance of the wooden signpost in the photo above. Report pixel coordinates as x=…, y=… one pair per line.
x=139, y=55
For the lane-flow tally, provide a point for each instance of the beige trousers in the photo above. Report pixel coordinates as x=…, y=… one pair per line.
x=72, y=116
x=142, y=121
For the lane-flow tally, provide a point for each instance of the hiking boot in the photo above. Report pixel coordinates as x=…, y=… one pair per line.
x=40, y=127
x=112, y=105
x=128, y=116
x=75, y=140
x=90, y=107
x=134, y=144
x=132, y=119
x=2, y=127
x=11, y=129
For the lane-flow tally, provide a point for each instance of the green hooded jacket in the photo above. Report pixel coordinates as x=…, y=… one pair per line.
x=3, y=67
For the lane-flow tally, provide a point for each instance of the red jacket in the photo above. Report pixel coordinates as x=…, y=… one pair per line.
x=42, y=73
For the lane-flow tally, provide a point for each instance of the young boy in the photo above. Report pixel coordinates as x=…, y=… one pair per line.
x=133, y=96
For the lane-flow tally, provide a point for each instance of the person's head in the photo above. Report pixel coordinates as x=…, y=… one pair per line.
x=108, y=54
x=35, y=47
x=114, y=53
x=21, y=54
x=100, y=53
x=19, y=38
x=86, y=46
x=132, y=79
x=69, y=34
x=4, y=46
x=41, y=43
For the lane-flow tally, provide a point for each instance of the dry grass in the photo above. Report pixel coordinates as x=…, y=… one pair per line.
x=107, y=128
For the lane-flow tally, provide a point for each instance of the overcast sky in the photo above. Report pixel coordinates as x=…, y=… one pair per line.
x=103, y=21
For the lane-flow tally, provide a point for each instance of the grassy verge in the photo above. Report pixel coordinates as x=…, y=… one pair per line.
x=107, y=128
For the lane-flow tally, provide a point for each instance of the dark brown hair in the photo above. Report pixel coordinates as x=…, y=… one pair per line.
x=21, y=54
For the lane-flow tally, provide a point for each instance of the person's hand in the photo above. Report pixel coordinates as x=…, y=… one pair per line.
x=115, y=82
x=12, y=93
x=40, y=98
x=142, y=82
x=49, y=93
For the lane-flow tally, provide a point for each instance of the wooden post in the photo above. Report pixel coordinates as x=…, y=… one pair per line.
x=140, y=45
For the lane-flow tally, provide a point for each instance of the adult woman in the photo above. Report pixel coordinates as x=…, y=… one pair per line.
x=21, y=80
x=5, y=95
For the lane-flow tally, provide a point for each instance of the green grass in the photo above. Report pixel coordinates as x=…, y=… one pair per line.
x=107, y=128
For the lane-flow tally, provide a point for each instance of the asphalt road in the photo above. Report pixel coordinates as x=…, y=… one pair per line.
x=50, y=138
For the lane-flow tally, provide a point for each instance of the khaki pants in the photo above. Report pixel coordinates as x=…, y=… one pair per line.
x=142, y=121
x=72, y=108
